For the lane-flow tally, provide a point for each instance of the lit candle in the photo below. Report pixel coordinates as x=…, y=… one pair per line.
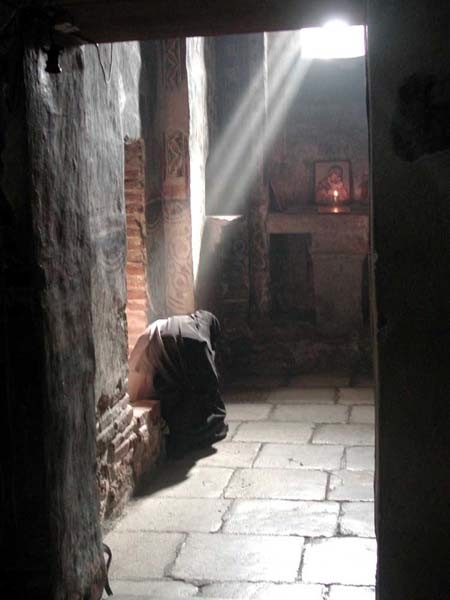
x=335, y=196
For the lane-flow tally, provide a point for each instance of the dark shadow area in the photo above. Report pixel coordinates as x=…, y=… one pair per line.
x=171, y=472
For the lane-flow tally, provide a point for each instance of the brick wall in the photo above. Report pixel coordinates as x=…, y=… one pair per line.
x=128, y=446
x=138, y=302
x=128, y=436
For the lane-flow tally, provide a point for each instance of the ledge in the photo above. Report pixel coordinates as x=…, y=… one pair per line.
x=346, y=233
x=146, y=410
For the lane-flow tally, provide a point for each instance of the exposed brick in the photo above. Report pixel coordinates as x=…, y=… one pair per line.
x=135, y=256
x=137, y=295
x=135, y=269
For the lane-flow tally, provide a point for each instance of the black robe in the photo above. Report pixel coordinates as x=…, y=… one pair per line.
x=185, y=380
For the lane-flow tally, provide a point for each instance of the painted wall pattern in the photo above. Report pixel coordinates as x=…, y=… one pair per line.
x=176, y=154
x=173, y=55
x=178, y=247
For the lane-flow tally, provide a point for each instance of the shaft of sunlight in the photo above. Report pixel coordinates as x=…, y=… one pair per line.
x=231, y=174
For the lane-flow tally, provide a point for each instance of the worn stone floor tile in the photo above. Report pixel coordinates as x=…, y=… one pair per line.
x=356, y=395
x=174, y=514
x=347, y=561
x=129, y=597
x=141, y=554
x=294, y=395
x=283, y=517
x=289, y=591
x=357, y=519
x=263, y=591
x=348, y=435
x=256, y=382
x=277, y=484
x=320, y=381
x=351, y=485
x=248, y=412
x=197, y=482
x=362, y=414
x=300, y=456
x=235, y=395
x=274, y=431
x=226, y=454
x=232, y=428
x=238, y=558
x=346, y=592
x=360, y=458
x=231, y=590
x=165, y=588
x=311, y=413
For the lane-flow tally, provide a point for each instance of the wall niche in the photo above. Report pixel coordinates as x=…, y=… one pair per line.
x=291, y=275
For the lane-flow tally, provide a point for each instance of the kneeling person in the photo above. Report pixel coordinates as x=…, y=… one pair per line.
x=174, y=361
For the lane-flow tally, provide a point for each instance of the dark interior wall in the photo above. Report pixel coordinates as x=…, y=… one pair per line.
x=112, y=113
x=409, y=58
x=60, y=201
x=327, y=120
x=21, y=354
x=64, y=266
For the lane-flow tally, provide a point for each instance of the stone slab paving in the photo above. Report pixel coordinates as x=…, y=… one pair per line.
x=279, y=484
x=264, y=591
x=142, y=554
x=238, y=558
x=362, y=414
x=226, y=454
x=312, y=413
x=233, y=426
x=271, y=431
x=360, y=458
x=311, y=381
x=257, y=382
x=283, y=517
x=248, y=412
x=351, y=485
x=198, y=482
x=356, y=395
x=295, y=456
x=357, y=519
x=282, y=509
x=235, y=590
x=292, y=395
x=285, y=591
x=175, y=514
x=151, y=589
x=341, y=592
x=345, y=561
x=349, y=435
x=233, y=395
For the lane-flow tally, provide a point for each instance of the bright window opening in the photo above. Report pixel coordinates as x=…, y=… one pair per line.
x=336, y=39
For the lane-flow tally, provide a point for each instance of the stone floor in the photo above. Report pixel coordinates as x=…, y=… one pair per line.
x=282, y=509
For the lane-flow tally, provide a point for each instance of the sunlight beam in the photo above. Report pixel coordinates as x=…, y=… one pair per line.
x=226, y=173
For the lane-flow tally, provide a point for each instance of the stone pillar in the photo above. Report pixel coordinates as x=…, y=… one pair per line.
x=175, y=186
